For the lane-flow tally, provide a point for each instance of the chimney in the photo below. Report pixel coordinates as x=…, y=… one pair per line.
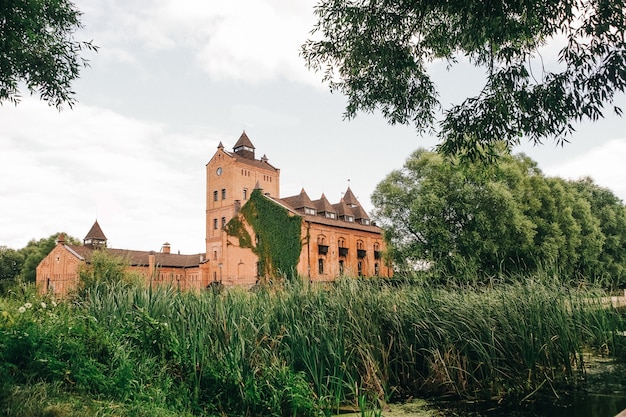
x=165, y=248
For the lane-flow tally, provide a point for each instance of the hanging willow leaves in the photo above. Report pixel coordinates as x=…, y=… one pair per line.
x=377, y=53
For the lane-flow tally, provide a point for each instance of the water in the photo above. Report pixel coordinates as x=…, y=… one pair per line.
x=601, y=394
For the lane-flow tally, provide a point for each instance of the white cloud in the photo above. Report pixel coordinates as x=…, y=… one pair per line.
x=244, y=40
x=62, y=170
x=604, y=163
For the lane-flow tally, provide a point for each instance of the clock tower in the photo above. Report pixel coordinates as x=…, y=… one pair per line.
x=230, y=179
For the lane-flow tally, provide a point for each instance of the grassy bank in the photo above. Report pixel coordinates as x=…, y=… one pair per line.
x=123, y=349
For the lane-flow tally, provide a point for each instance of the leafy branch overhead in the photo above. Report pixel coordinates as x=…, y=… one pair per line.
x=377, y=53
x=38, y=49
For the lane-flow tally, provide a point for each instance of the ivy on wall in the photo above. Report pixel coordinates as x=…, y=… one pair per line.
x=277, y=234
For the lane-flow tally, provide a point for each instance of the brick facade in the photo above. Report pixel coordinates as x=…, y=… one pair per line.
x=338, y=239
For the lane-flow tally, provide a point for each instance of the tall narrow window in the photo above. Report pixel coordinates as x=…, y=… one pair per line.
x=245, y=193
x=215, y=224
x=360, y=266
x=341, y=267
x=223, y=193
x=223, y=222
x=215, y=195
x=320, y=266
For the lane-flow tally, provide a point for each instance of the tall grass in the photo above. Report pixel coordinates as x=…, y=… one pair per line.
x=303, y=349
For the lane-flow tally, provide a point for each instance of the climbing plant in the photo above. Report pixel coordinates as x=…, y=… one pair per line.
x=277, y=234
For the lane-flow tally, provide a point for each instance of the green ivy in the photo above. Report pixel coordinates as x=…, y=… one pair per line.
x=277, y=231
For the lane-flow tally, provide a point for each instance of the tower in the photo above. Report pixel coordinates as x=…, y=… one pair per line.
x=230, y=178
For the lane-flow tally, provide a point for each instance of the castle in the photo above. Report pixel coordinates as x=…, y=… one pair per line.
x=330, y=239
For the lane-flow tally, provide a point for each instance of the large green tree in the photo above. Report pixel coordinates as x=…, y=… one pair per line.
x=471, y=219
x=38, y=49
x=378, y=53
x=11, y=262
x=611, y=213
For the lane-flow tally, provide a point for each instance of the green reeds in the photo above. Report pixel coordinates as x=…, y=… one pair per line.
x=303, y=349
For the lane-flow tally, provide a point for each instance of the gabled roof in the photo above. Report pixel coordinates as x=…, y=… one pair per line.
x=323, y=205
x=343, y=209
x=350, y=199
x=95, y=233
x=299, y=201
x=244, y=140
x=359, y=213
x=141, y=258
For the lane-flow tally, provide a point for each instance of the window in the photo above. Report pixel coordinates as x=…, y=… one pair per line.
x=245, y=193
x=341, y=267
x=350, y=219
x=376, y=269
x=215, y=255
x=223, y=222
x=331, y=215
x=223, y=193
x=320, y=265
x=360, y=266
x=310, y=211
x=215, y=224
x=215, y=195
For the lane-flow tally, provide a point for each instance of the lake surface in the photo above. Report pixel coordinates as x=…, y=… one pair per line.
x=601, y=394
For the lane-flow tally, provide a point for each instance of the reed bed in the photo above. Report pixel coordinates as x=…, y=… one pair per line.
x=302, y=349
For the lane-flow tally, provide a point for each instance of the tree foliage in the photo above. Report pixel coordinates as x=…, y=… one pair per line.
x=37, y=48
x=378, y=52
x=22, y=263
x=505, y=218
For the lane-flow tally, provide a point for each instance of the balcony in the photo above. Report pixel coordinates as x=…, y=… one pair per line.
x=343, y=251
x=322, y=249
x=360, y=253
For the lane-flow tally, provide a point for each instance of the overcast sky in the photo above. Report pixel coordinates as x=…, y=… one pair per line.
x=171, y=80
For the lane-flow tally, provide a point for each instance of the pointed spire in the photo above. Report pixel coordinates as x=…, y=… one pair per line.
x=301, y=203
x=323, y=206
x=344, y=210
x=244, y=146
x=220, y=146
x=95, y=237
x=350, y=199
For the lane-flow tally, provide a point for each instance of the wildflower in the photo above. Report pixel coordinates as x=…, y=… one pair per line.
x=54, y=304
x=22, y=309
x=43, y=305
x=28, y=305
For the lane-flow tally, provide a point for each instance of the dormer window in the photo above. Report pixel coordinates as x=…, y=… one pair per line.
x=308, y=210
x=349, y=219
x=330, y=215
